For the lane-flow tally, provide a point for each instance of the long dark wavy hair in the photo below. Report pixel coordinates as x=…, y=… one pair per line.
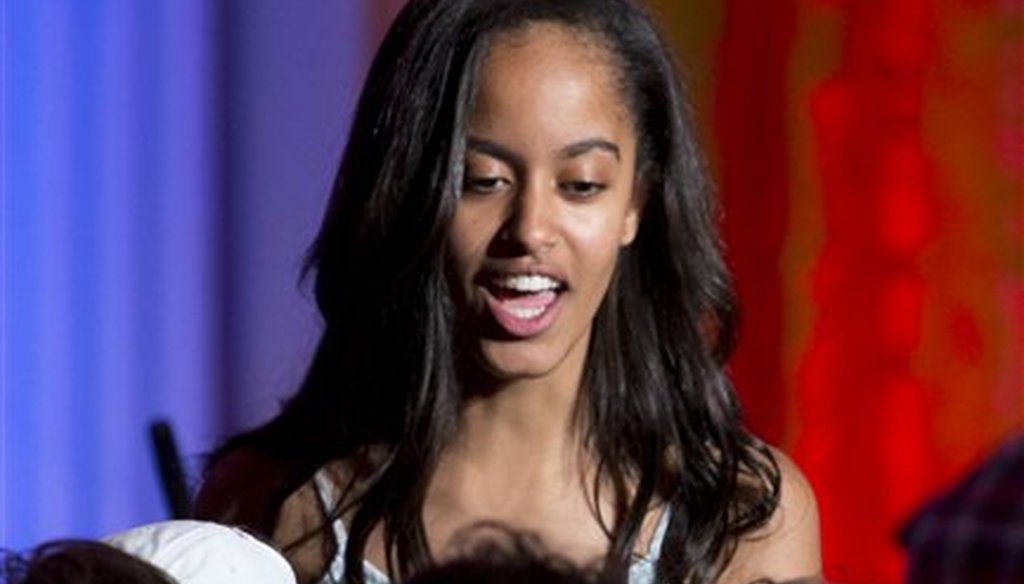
x=656, y=407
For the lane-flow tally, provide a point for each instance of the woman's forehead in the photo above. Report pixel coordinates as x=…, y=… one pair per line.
x=548, y=73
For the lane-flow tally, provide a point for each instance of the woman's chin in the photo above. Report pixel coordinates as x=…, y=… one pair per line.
x=510, y=361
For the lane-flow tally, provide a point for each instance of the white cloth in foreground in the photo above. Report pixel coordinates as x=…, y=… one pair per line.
x=200, y=552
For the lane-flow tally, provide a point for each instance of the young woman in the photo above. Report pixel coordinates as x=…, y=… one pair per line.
x=526, y=316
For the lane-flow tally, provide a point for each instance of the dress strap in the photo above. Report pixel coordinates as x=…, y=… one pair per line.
x=324, y=491
x=654, y=551
x=643, y=568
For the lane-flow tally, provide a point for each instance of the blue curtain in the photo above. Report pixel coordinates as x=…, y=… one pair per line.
x=132, y=197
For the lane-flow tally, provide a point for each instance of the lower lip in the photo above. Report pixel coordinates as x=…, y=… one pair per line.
x=523, y=327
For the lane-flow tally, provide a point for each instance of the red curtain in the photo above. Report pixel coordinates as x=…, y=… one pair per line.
x=870, y=155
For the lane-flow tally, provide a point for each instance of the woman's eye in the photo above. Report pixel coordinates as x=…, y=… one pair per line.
x=484, y=184
x=582, y=188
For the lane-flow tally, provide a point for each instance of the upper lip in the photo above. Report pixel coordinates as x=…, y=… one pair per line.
x=492, y=275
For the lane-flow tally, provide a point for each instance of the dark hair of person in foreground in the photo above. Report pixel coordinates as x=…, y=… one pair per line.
x=506, y=557
x=79, y=562
x=391, y=369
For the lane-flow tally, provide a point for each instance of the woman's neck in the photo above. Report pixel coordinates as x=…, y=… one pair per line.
x=532, y=417
x=523, y=433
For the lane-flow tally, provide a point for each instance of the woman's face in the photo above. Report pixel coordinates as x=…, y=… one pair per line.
x=547, y=201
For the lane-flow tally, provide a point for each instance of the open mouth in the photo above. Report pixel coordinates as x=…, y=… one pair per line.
x=523, y=304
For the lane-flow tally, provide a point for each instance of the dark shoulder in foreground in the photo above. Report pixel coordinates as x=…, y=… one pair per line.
x=244, y=487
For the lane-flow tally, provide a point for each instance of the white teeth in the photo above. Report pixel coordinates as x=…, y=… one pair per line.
x=528, y=283
x=525, y=313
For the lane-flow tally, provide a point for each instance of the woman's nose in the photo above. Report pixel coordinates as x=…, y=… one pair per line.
x=532, y=217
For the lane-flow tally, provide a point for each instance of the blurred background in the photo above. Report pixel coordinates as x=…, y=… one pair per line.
x=165, y=163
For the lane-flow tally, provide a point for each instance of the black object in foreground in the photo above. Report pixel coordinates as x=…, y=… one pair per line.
x=172, y=475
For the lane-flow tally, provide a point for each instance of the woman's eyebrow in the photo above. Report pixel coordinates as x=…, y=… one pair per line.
x=583, y=146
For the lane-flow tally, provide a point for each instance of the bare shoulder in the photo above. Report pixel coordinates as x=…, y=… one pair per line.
x=788, y=547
